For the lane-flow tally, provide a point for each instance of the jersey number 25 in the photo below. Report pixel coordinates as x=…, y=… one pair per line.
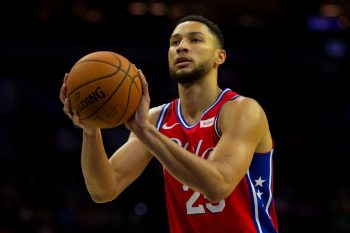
x=192, y=208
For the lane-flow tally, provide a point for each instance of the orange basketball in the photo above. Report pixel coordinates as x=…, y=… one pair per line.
x=104, y=88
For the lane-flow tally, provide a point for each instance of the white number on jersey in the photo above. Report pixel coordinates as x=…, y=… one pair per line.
x=192, y=208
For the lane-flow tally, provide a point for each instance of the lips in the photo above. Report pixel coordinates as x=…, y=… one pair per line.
x=181, y=60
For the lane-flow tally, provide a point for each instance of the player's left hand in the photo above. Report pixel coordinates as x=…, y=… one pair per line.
x=140, y=120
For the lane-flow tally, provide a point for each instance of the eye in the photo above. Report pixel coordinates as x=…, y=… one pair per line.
x=196, y=40
x=174, y=42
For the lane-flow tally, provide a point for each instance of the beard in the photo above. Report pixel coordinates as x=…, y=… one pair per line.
x=190, y=77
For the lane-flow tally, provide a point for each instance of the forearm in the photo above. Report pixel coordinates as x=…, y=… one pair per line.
x=195, y=172
x=95, y=167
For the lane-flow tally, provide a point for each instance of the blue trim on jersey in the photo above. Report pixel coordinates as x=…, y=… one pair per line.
x=216, y=124
x=259, y=178
x=161, y=116
x=182, y=119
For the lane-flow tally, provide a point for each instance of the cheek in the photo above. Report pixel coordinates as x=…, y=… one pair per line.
x=171, y=54
x=200, y=52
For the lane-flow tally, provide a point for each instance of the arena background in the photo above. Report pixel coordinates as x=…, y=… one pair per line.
x=292, y=56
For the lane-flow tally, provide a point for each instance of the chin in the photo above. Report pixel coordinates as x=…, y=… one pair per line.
x=187, y=75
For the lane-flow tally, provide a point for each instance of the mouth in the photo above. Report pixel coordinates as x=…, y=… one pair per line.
x=182, y=61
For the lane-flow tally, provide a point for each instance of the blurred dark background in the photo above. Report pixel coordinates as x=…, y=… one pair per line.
x=292, y=56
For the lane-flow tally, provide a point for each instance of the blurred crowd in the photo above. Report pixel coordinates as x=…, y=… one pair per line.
x=293, y=57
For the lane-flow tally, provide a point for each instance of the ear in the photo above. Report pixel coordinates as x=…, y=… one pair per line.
x=220, y=56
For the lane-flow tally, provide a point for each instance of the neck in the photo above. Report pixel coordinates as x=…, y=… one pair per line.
x=197, y=97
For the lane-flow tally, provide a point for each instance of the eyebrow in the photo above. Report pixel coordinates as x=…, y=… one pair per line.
x=190, y=33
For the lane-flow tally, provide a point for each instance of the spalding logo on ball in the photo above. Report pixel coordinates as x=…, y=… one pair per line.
x=93, y=97
x=104, y=88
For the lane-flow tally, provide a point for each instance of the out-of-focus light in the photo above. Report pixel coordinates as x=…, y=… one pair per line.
x=140, y=209
x=343, y=22
x=94, y=15
x=330, y=10
x=335, y=48
x=247, y=20
x=86, y=13
x=322, y=24
x=177, y=10
x=158, y=8
x=79, y=9
x=137, y=8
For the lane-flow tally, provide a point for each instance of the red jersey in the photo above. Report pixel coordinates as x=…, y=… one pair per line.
x=249, y=208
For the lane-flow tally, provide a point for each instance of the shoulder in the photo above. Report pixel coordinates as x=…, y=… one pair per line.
x=242, y=105
x=244, y=121
x=242, y=112
x=155, y=112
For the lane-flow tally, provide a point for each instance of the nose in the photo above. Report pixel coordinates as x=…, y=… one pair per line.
x=182, y=46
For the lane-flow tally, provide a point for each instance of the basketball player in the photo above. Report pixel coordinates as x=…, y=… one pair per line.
x=214, y=144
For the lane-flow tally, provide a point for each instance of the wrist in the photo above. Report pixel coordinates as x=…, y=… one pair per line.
x=93, y=132
x=144, y=132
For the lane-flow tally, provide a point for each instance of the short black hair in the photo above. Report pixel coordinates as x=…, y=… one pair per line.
x=214, y=28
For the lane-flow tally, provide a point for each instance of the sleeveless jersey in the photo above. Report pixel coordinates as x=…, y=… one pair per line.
x=249, y=208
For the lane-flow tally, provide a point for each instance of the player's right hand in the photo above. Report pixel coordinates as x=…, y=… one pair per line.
x=68, y=110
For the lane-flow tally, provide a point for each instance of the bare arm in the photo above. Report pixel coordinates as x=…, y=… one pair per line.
x=244, y=128
x=105, y=177
x=243, y=125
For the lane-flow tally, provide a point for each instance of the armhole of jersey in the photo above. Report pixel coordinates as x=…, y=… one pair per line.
x=162, y=115
x=216, y=123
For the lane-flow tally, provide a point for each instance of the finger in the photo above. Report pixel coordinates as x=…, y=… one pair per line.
x=65, y=78
x=67, y=109
x=76, y=121
x=63, y=92
x=63, y=89
x=144, y=83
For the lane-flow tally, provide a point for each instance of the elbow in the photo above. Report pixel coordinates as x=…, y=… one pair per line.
x=99, y=199
x=102, y=198
x=219, y=193
x=217, y=196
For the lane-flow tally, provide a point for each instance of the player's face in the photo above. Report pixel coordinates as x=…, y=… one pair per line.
x=191, y=53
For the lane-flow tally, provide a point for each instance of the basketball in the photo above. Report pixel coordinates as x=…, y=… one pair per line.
x=104, y=88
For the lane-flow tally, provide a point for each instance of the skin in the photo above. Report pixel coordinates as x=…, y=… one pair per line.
x=242, y=122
